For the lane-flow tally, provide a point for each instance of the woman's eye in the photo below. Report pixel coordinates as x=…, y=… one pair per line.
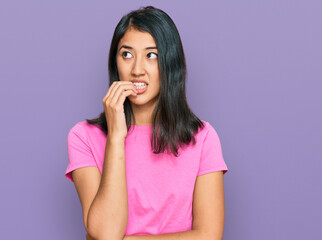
x=155, y=55
x=124, y=54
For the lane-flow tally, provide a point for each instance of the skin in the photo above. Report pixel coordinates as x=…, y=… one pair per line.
x=140, y=63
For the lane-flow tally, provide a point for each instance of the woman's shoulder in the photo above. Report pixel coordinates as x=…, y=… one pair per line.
x=84, y=129
x=208, y=128
x=205, y=127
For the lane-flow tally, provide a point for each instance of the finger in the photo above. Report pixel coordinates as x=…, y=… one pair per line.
x=110, y=90
x=115, y=86
x=124, y=95
x=119, y=91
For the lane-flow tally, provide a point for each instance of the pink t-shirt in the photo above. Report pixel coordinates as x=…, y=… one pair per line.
x=160, y=186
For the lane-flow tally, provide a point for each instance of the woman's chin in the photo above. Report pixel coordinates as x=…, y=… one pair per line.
x=136, y=100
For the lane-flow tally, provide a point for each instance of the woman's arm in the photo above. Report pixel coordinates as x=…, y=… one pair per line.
x=108, y=214
x=104, y=198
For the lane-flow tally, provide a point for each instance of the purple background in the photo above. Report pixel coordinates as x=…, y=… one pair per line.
x=254, y=72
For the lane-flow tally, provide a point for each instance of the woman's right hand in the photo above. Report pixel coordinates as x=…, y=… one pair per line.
x=114, y=108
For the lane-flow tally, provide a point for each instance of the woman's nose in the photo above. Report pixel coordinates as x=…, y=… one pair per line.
x=138, y=66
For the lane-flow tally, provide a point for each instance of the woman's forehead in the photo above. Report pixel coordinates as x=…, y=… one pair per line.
x=137, y=40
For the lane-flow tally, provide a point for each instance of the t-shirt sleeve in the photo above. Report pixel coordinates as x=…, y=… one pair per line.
x=211, y=155
x=79, y=152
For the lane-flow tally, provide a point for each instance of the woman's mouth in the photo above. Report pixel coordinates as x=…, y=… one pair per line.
x=140, y=87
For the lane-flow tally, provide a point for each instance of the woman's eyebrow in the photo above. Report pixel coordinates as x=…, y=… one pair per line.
x=128, y=47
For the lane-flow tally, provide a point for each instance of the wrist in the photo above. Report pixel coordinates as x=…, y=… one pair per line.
x=116, y=140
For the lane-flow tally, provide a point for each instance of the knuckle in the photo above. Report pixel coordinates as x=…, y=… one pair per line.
x=118, y=108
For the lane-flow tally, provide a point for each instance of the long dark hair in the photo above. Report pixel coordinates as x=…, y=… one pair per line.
x=174, y=124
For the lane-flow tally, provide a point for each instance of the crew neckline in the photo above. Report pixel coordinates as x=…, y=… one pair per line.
x=141, y=128
x=141, y=125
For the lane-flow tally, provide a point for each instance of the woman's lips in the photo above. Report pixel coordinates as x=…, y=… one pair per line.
x=141, y=90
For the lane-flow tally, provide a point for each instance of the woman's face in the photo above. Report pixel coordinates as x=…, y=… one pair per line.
x=137, y=59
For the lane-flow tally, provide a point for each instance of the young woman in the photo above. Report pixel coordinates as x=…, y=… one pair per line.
x=147, y=167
